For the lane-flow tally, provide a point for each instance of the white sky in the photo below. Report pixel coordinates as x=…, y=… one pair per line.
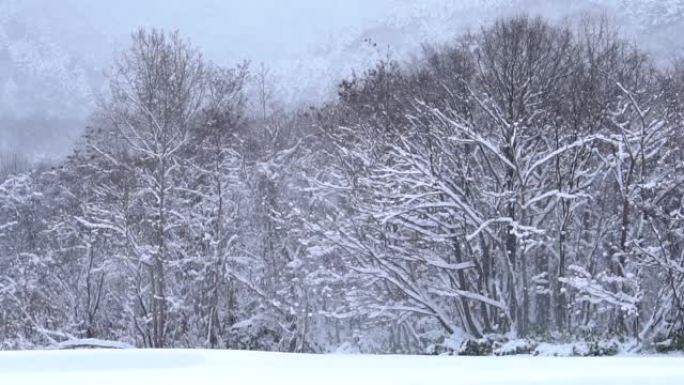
x=259, y=29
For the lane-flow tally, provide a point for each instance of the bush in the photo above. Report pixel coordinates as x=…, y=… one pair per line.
x=603, y=348
x=479, y=347
x=670, y=345
x=484, y=346
x=513, y=347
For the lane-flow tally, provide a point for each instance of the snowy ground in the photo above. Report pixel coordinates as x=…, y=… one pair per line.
x=186, y=367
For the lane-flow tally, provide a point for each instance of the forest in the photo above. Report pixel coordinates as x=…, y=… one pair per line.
x=524, y=181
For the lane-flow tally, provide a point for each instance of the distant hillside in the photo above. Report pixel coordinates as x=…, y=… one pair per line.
x=52, y=59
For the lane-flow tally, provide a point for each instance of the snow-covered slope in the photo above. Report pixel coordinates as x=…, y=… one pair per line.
x=230, y=367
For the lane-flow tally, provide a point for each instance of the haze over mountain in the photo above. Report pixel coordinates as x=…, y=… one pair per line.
x=53, y=55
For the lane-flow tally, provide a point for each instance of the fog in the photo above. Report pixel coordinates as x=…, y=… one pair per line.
x=54, y=55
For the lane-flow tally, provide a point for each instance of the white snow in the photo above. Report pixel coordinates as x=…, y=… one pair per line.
x=90, y=343
x=187, y=367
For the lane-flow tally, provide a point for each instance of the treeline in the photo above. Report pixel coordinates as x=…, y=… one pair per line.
x=526, y=180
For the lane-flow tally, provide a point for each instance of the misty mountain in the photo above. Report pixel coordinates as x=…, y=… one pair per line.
x=53, y=55
x=39, y=75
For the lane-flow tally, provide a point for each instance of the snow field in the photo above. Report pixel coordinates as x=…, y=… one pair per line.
x=169, y=367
